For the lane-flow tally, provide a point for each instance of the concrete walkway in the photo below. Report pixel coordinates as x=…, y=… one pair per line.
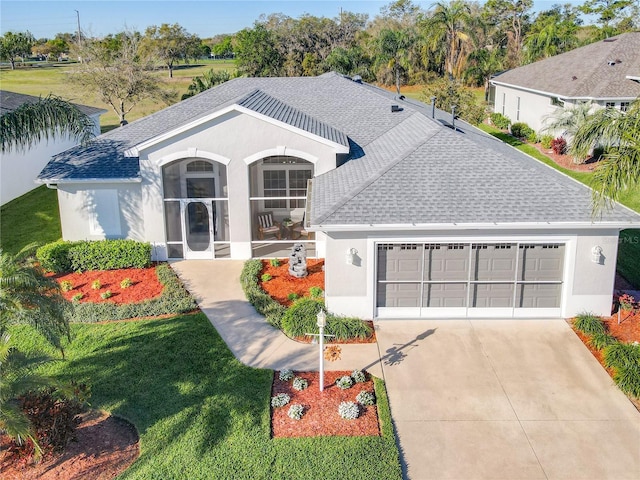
x=469, y=399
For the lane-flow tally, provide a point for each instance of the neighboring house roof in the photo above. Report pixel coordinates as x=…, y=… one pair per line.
x=404, y=168
x=9, y=101
x=596, y=71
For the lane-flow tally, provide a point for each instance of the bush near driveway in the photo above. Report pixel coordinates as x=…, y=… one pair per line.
x=201, y=413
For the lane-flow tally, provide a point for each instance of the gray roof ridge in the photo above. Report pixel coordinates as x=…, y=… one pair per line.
x=292, y=116
x=375, y=175
x=92, y=110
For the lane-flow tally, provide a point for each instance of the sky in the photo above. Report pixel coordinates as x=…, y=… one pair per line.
x=205, y=18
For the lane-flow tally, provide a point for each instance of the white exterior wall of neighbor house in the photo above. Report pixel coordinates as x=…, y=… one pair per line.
x=218, y=140
x=587, y=286
x=19, y=169
x=533, y=106
x=95, y=211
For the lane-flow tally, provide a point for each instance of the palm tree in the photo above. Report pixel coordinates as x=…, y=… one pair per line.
x=26, y=295
x=208, y=80
x=393, y=49
x=568, y=120
x=48, y=117
x=483, y=63
x=445, y=31
x=618, y=133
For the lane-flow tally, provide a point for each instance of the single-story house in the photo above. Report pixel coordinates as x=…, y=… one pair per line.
x=413, y=217
x=20, y=168
x=606, y=73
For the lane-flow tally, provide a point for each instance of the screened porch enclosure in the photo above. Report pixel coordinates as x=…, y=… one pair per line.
x=196, y=209
x=278, y=191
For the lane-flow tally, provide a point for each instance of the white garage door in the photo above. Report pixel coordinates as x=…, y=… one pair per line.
x=469, y=279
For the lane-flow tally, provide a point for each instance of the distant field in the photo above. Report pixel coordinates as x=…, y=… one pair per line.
x=53, y=78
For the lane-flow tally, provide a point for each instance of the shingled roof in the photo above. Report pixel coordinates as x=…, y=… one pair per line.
x=9, y=101
x=600, y=70
x=404, y=167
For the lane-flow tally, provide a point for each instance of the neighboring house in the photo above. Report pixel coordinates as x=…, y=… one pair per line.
x=20, y=168
x=606, y=72
x=414, y=219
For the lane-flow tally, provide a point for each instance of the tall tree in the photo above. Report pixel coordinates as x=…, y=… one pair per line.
x=46, y=118
x=446, y=31
x=511, y=18
x=393, y=48
x=606, y=12
x=481, y=65
x=119, y=73
x=553, y=32
x=14, y=45
x=171, y=44
x=618, y=133
x=256, y=52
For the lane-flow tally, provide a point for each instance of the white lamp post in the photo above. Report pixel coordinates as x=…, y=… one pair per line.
x=322, y=322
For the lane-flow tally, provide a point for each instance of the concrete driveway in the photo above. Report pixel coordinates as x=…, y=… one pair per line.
x=504, y=400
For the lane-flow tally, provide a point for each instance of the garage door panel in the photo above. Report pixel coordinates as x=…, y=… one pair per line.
x=541, y=262
x=446, y=262
x=399, y=294
x=494, y=295
x=494, y=262
x=400, y=262
x=539, y=296
x=445, y=295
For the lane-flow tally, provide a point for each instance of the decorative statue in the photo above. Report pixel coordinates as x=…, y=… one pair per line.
x=298, y=261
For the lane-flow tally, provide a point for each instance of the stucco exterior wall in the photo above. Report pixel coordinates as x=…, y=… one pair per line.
x=533, y=107
x=19, y=169
x=82, y=219
x=225, y=139
x=587, y=286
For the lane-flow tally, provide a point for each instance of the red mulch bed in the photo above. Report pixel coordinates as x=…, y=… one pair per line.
x=566, y=161
x=105, y=447
x=145, y=285
x=282, y=284
x=320, y=416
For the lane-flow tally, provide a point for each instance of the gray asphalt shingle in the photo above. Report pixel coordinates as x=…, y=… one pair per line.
x=9, y=101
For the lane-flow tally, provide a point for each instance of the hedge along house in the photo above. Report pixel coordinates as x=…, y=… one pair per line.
x=414, y=218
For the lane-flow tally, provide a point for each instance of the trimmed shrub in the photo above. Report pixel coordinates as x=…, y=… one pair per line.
x=173, y=300
x=265, y=277
x=316, y=292
x=126, y=283
x=545, y=141
x=96, y=285
x=263, y=303
x=66, y=285
x=60, y=257
x=359, y=376
x=105, y=295
x=344, y=383
x=274, y=262
x=293, y=296
x=521, y=130
x=54, y=257
x=532, y=137
x=621, y=355
x=601, y=340
x=77, y=297
x=286, y=375
x=366, y=398
x=500, y=121
x=296, y=411
x=589, y=324
x=559, y=145
x=300, y=384
x=301, y=317
x=349, y=410
x=280, y=400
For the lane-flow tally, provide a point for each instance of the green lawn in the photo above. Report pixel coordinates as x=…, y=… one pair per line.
x=629, y=247
x=33, y=217
x=53, y=78
x=200, y=413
